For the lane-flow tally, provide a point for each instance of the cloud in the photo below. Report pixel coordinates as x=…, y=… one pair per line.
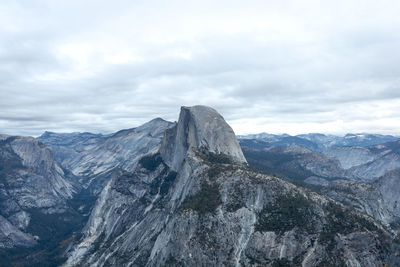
x=286, y=66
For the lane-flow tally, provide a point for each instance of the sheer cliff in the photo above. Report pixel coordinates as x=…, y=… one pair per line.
x=31, y=183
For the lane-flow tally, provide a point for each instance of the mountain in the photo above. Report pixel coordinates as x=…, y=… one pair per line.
x=365, y=139
x=389, y=187
x=94, y=157
x=365, y=197
x=282, y=141
x=361, y=139
x=321, y=139
x=298, y=161
x=387, y=159
x=266, y=137
x=379, y=199
x=66, y=147
x=35, y=198
x=48, y=186
x=30, y=175
x=351, y=156
x=364, y=178
x=293, y=163
x=193, y=201
x=320, y=142
x=368, y=163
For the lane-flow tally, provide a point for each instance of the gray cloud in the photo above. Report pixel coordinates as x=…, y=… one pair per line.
x=277, y=67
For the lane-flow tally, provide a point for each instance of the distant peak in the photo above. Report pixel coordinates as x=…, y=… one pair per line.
x=157, y=122
x=47, y=133
x=158, y=119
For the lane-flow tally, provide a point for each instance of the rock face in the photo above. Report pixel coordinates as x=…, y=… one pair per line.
x=364, y=197
x=291, y=162
x=387, y=159
x=93, y=157
x=11, y=236
x=30, y=176
x=351, y=156
x=67, y=147
x=43, y=204
x=29, y=179
x=295, y=161
x=368, y=163
x=200, y=127
x=377, y=196
x=389, y=187
x=194, y=202
x=379, y=199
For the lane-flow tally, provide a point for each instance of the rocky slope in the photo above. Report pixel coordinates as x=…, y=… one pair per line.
x=365, y=197
x=367, y=163
x=298, y=162
x=389, y=186
x=351, y=156
x=93, y=157
x=194, y=202
x=379, y=199
x=387, y=159
x=324, y=172
x=67, y=147
x=45, y=200
x=30, y=181
x=292, y=162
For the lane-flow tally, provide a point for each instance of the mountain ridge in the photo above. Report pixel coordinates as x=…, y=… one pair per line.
x=206, y=208
x=183, y=194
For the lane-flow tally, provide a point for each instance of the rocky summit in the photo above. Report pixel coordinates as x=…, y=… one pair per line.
x=199, y=127
x=193, y=201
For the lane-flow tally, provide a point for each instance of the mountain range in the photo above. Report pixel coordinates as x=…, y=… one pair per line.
x=191, y=193
x=320, y=142
x=326, y=160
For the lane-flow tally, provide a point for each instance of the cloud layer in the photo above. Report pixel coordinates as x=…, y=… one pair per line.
x=274, y=66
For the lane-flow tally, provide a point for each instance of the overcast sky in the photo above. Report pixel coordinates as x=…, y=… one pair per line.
x=266, y=66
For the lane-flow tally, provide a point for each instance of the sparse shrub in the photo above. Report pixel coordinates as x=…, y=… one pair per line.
x=167, y=182
x=205, y=201
x=151, y=162
x=214, y=158
x=285, y=214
